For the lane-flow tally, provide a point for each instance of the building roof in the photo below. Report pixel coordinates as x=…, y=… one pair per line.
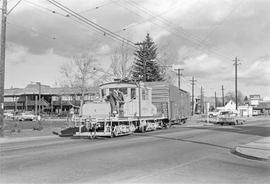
x=45, y=90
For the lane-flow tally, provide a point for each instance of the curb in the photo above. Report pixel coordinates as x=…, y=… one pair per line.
x=25, y=139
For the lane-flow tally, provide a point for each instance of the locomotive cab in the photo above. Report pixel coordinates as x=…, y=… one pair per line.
x=128, y=99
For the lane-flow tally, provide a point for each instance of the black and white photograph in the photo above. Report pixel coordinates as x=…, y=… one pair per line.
x=135, y=91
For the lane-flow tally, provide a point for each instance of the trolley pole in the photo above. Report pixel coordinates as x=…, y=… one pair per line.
x=2, y=65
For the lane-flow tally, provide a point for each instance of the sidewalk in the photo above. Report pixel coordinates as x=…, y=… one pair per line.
x=259, y=149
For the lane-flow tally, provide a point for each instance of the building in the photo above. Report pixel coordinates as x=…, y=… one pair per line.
x=52, y=100
x=255, y=99
x=263, y=108
x=230, y=106
x=245, y=110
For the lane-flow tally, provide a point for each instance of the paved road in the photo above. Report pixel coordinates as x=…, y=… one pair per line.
x=176, y=155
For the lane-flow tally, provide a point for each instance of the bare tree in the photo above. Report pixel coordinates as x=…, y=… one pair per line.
x=78, y=74
x=121, y=61
x=166, y=59
x=231, y=96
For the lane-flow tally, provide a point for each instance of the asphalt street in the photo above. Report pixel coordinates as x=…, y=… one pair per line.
x=182, y=154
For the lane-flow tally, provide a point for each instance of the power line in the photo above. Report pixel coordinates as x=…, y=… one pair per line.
x=57, y=13
x=91, y=23
x=45, y=8
x=169, y=10
x=215, y=26
x=14, y=7
x=162, y=20
x=184, y=34
x=97, y=6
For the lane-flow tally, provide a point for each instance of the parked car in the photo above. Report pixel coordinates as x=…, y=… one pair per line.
x=229, y=118
x=8, y=115
x=26, y=116
x=213, y=114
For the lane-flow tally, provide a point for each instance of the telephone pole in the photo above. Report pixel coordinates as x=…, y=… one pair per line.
x=192, y=100
x=179, y=74
x=222, y=88
x=202, y=101
x=2, y=65
x=215, y=100
x=236, y=64
x=39, y=97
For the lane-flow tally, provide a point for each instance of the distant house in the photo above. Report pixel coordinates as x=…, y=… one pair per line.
x=244, y=110
x=52, y=100
x=230, y=106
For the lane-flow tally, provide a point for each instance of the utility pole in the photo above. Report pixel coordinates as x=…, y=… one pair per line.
x=236, y=64
x=202, y=101
x=192, y=100
x=215, y=100
x=2, y=65
x=222, y=88
x=39, y=97
x=179, y=74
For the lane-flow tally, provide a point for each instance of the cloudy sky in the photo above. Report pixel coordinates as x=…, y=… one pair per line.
x=202, y=36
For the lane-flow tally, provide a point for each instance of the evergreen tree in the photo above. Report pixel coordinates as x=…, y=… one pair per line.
x=145, y=67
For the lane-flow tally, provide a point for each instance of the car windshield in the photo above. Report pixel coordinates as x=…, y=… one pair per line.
x=225, y=112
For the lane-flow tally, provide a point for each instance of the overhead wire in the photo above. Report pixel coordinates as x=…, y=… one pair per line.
x=14, y=7
x=45, y=9
x=97, y=6
x=163, y=20
x=215, y=26
x=102, y=29
x=178, y=30
x=95, y=25
x=169, y=10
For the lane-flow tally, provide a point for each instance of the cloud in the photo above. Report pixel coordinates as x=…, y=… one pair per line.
x=204, y=66
x=258, y=73
x=16, y=54
x=42, y=67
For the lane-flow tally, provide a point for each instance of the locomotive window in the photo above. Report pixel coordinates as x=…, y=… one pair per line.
x=143, y=94
x=123, y=90
x=133, y=93
x=103, y=92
